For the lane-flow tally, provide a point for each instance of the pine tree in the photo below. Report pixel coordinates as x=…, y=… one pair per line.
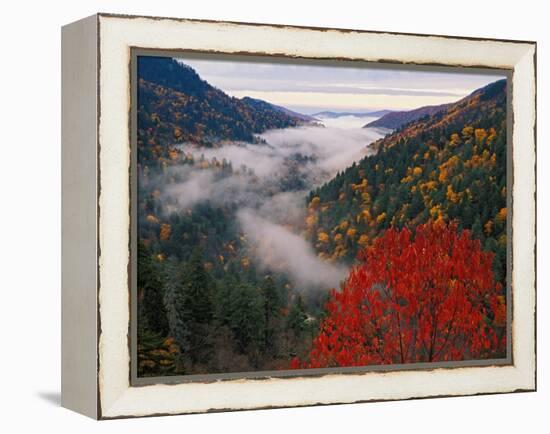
x=297, y=317
x=223, y=296
x=198, y=289
x=151, y=311
x=198, y=309
x=247, y=317
x=189, y=307
x=272, y=312
x=477, y=229
x=174, y=303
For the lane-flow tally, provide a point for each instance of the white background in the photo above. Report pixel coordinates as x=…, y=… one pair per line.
x=30, y=217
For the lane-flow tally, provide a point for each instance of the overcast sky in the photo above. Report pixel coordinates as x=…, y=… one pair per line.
x=309, y=88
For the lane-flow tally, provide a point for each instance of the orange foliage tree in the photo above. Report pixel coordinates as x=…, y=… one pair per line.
x=415, y=297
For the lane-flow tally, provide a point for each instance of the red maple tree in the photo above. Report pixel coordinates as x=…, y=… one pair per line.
x=415, y=297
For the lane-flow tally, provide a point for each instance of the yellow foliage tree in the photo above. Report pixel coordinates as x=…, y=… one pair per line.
x=165, y=231
x=446, y=169
x=467, y=132
x=455, y=139
x=361, y=186
x=492, y=135
x=452, y=196
x=501, y=216
x=363, y=240
x=314, y=204
x=177, y=132
x=435, y=211
x=323, y=237
x=311, y=220
x=480, y=135
x=152, y=219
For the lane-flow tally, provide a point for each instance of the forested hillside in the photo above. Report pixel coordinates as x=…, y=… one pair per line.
x=424, y=222
x=204, y=307
x=176, y=106
x=448, y=166
x=264, y=105
x=215, y=289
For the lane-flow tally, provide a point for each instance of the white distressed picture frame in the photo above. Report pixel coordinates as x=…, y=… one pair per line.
x=96, y=218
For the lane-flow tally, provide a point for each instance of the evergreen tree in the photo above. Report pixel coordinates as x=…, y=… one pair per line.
x=297, y=317
x=151, y=311
x=477, y=230
x=198, y=309
x=272, y=312
x=198, y=289
x=223, y=296
x=174, y=303
x=246, y=317
x=189, y=307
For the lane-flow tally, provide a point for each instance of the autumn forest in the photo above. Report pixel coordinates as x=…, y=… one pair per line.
x=280, y=235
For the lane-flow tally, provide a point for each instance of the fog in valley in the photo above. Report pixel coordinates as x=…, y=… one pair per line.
x=281, y=250
x=267, y=185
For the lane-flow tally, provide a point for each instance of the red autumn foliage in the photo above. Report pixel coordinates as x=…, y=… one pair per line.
x=415, y=297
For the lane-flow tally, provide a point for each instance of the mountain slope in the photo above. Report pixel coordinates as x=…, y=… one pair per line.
x=450, y=166
x=175, y=106
x=395, y=120
x=264, y=105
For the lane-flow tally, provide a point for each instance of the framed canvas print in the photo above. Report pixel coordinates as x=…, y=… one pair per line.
x=260, y=216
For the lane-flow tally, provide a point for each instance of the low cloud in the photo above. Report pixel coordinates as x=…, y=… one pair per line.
x=196, y=186
x=264, y=160
x=286, y=208
x=269, y=196
x=278, y=249
x=327, y=150
x=279, y=173
x=333, y=148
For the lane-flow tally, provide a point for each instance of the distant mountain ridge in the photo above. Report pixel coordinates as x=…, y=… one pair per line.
x=175, y=105
x=333, y=114
x=469, y=110
x=395, y=120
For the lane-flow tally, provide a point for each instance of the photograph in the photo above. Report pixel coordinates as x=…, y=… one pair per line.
x=293, y=215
